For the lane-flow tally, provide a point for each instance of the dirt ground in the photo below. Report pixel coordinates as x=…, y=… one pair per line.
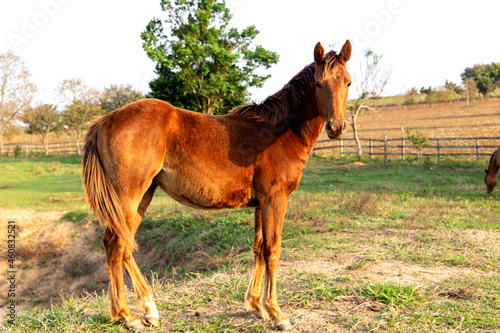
x=444, y=121
x=52, y=257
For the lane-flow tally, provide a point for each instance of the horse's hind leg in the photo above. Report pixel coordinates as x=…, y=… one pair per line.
x=254, y=292
x=142, y=288
x=115, y=248
x=119, y=256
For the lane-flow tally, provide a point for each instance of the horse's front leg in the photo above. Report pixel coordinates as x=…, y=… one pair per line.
x=273, y=214
x=254, y=292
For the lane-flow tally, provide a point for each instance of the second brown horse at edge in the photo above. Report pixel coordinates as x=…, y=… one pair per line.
x=251, y=157
x=491, y=173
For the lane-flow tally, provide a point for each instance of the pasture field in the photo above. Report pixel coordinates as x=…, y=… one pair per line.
x=413, y=247
x=481, y=118
x=48, y=184
x=454, y=120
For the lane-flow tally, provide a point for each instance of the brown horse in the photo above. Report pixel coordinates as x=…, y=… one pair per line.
x=491, y=173
x=252, y=157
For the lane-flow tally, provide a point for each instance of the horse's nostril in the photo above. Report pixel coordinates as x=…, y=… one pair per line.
x=328, y=126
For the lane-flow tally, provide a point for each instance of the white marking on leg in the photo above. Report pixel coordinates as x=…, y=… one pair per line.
x=263, y=300
x=151, y=311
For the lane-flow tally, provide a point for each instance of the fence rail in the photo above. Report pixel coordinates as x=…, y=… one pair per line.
x=26, y=149
x=402, y=147
x=390, y=148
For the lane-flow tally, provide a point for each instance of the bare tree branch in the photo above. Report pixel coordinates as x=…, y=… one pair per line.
x=16, y=90
x=371, y=81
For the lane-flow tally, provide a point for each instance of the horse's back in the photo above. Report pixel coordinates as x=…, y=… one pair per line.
x=195, y=158
x=201, y=161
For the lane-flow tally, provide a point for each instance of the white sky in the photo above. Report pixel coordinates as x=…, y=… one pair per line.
x=424, y=41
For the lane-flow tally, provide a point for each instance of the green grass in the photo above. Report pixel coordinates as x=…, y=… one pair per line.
x=80, y=216
x=436, y=216
x=194, y=240
x=210, y=304
x=42, y=184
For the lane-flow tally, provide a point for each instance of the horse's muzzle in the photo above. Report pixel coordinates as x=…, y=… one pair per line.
x=335, y=130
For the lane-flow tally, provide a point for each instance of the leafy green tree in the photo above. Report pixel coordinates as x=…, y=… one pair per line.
x=426, y=91
x=486, y=76
x=450, y=86
x=419, y=141
x=42, y=119
x=470, y=88
x=82, y=104
x=116, y=96
x=77, y=116
x=202, y=63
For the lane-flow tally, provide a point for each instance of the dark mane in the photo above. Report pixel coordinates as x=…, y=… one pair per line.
x=288, y=100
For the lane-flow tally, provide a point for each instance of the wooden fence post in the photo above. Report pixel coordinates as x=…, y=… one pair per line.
x=371, y=149
x=438, y=150
x=402, y=144
x=385, y=149
x=341, y=148
x=402, y=148
x=477, y=150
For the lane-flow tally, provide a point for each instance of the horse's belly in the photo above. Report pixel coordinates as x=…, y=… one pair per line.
x=204, y=191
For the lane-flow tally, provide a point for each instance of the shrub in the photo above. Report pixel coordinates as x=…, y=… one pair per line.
x=18, y=151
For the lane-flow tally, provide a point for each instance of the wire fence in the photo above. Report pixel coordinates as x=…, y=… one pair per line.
x=474, y=147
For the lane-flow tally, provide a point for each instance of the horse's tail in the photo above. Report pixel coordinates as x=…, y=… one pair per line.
x=99, y=191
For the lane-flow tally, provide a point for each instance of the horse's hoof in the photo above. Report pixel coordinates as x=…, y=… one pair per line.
x=286, y=326
x=153, y=321
x=135, y=325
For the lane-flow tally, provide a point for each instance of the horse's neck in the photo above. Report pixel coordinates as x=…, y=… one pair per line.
x=494, y=164
x=307, y=125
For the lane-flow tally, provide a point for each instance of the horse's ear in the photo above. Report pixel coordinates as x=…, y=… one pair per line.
x=319, y=53
x=486, y=171
x=345, y=54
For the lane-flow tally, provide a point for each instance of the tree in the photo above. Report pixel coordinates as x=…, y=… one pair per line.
x=486, y=76
x=372, y=79
x=82, y=104
x=426, y=91
x=42, y=119
x=16, y=91
x=470, y=88
x=450, y=86
x=419, y=141
x=77, y=117
x=169, y=87
x=116, y=96
x=203, y=63
x=411, y=96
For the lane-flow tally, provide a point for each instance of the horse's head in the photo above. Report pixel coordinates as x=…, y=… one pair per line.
x=491, y=181
x=332, y=85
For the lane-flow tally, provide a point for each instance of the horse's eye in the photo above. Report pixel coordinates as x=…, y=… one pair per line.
x=317, y=84
x=349, y=84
